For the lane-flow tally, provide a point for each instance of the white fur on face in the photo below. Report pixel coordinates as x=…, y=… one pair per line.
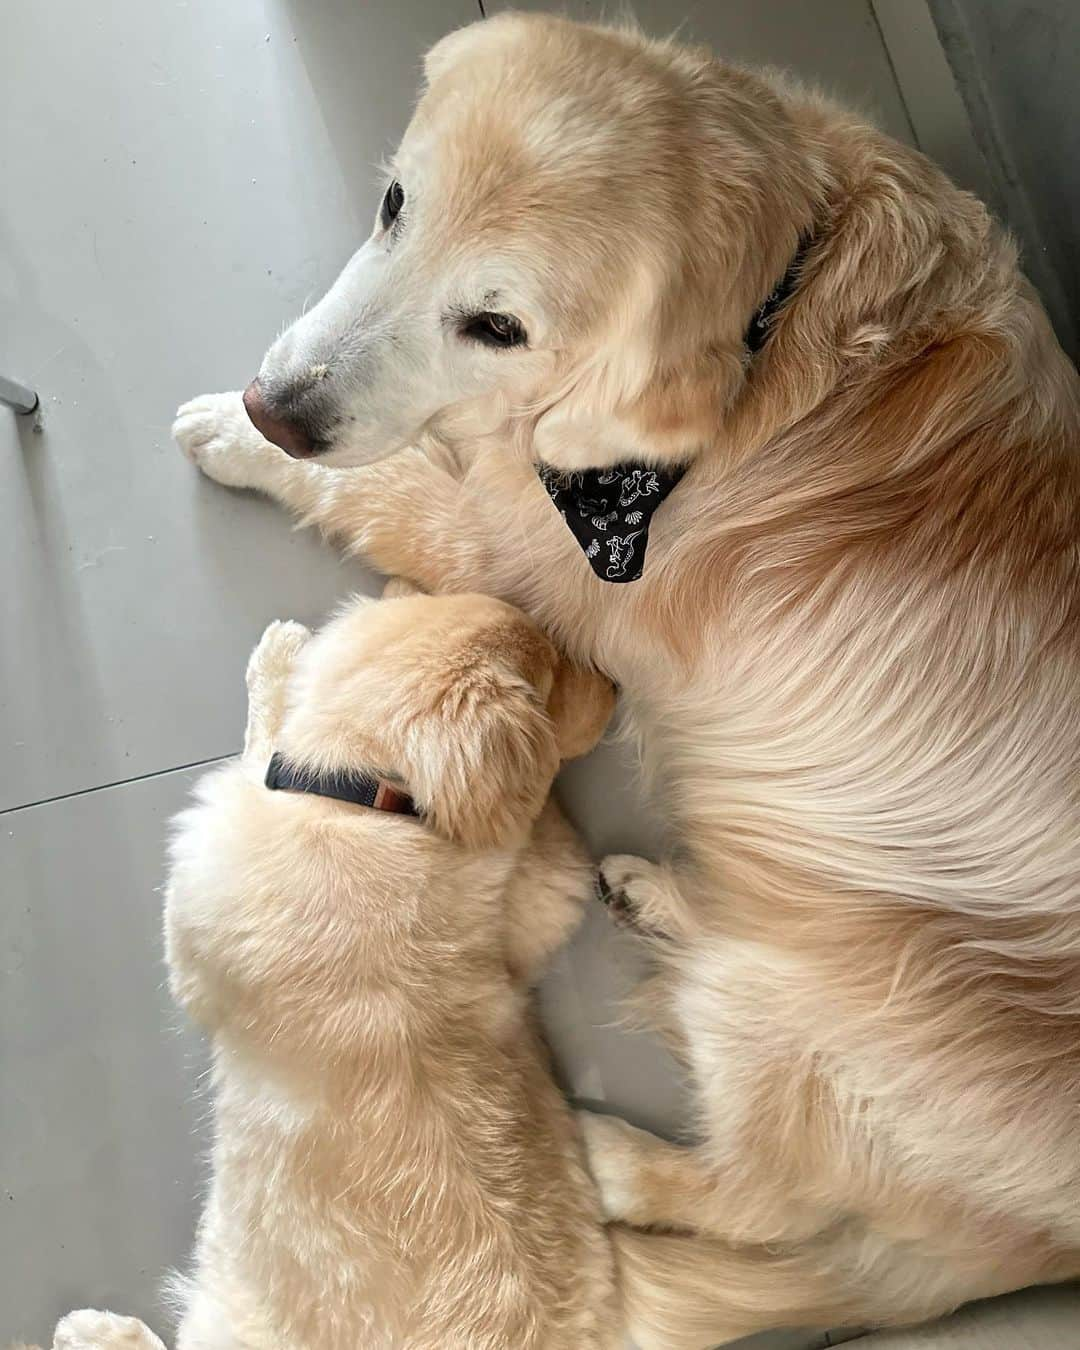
x=383, y=352
x=535, y=187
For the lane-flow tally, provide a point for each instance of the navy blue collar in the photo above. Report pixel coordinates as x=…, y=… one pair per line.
x=361, y=789
x=608, y=511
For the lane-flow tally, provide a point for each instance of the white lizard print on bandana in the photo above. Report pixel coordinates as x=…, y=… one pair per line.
x=608, y=511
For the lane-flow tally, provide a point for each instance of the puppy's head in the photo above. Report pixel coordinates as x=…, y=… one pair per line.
x=461, y=698
x=573, y=235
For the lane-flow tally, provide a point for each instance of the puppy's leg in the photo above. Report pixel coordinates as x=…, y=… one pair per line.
x=268, y=672
x=645, y=896
x=403, y=514
x=547, y=893
x=88, y=1329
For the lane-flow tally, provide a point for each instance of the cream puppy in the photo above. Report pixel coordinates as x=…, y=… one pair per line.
x=393, y=1164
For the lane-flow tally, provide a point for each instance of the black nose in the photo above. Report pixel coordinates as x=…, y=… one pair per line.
x=286, y=432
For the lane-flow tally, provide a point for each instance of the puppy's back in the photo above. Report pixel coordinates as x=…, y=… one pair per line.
x=391, y=1145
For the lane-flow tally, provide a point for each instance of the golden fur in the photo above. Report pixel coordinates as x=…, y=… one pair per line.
x=393, y=1166
x=852, y=661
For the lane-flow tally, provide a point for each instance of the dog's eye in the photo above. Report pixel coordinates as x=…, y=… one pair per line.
x=496, y=330
x=392, y=202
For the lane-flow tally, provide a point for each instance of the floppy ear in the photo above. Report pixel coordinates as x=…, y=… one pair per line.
x=485, y=752
x=580, y=706
x=488, y=751
x=491, y=758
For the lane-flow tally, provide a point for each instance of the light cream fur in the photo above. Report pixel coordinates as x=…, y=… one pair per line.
x=852, y=662
x=394, y=1167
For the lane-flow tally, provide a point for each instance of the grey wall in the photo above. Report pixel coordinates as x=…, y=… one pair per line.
x=1017, y=66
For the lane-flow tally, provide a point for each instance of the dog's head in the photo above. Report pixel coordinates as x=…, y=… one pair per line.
x=577, y=227
x=460, y=698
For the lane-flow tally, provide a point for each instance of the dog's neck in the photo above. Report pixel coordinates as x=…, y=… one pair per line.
x=357, y=787
x=609, y=510
x=760, y=326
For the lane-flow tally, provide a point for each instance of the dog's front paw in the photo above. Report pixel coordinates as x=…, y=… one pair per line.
x=89, y=1329
x=635, y=893
x=216, y=434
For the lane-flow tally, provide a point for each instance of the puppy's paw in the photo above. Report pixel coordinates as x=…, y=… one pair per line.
x=89, y=1329
x=268, y=669
x=612, y=1148
x=274, y=654
x=216, y=434
x=636, y=894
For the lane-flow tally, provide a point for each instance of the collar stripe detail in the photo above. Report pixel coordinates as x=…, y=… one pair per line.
x=361, y=789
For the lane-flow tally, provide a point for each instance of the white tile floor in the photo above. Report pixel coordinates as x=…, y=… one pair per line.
x=99, y=1154
x=178, y=179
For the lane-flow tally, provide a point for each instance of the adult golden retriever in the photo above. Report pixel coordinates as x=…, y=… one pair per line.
x=852, y=660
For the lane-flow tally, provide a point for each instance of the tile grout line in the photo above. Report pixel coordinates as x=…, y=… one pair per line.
x=900, y=90
x=119, y=782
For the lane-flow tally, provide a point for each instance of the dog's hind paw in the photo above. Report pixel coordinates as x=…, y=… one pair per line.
x=613, y=1149
x=89, y=1329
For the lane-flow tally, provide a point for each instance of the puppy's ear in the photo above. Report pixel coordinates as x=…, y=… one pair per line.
x=490, y=764
x=486, y=754
x=580, y=706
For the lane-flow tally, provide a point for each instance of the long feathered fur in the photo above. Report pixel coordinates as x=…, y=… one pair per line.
x=852, y=663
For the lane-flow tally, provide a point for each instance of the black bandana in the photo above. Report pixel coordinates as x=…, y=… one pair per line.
x=609, y=510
